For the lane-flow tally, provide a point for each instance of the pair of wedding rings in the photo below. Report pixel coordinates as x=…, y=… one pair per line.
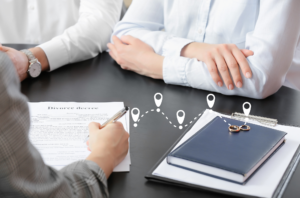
x=236, y=129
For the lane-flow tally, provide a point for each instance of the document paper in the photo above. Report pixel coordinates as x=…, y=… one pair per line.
x=59, y=130
x=264, y=181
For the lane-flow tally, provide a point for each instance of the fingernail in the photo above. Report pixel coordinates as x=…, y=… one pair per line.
x=239, y=84
x=230, y=87
x=220, y=84
x=248, y=75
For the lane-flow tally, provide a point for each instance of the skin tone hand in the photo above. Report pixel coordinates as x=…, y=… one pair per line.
x=225, y=59
x=21, y=61
x=108, y=145
x=133, y=54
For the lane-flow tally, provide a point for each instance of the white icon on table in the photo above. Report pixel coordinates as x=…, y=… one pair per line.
x=180, y=117
x=247, y=109
x=158, y=98
x=135, y=113
x=210, y=100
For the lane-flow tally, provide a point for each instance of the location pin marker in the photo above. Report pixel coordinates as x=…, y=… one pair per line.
x=158, y=97
x=210, y=100
x=247, y=109
x=135, y=113
x=180, y=117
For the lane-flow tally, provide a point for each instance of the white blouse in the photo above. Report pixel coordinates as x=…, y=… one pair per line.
x=270, y=28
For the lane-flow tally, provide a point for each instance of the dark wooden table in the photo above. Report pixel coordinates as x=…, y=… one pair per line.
x=101, y=80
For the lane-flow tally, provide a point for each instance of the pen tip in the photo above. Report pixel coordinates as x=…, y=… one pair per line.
x=126, y=108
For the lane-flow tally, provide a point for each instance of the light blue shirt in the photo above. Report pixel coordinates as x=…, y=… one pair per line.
x=270, y=28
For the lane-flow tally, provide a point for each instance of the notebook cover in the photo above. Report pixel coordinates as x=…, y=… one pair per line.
x=166, y=181
x=214, y=146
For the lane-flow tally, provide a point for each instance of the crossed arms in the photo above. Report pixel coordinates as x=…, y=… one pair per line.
x=155, y=53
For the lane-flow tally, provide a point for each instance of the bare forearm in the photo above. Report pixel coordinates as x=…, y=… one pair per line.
x=194, y=50
x=154, y=63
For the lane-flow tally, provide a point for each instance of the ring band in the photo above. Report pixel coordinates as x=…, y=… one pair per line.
x=234, y=128
x=244, y=128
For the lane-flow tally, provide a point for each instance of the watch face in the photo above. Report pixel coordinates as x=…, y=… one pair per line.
x=35, y=70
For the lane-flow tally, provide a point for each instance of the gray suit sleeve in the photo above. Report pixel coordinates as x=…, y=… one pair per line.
x=23, y=172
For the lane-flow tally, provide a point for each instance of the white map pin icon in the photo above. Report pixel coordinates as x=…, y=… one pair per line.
x=210, y=102
x=158, y=101
x=180, y=116
x=246, y=111
x=135, y=113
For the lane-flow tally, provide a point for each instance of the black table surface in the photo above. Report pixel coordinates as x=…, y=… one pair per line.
x=102, y=80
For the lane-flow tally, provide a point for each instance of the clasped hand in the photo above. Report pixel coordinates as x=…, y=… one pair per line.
x=221, y=59
x=133, y=54
x=19, y=60
x=224, y=61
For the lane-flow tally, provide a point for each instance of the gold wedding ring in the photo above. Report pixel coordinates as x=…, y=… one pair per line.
x=236, y=129
x=244, y=128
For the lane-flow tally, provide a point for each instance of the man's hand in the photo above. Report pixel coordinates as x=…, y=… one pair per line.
x=226, y=59
x=135, y=55
x=19, y=60
x=109, y=145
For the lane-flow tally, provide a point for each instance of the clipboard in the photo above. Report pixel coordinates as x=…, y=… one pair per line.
x=166, y=181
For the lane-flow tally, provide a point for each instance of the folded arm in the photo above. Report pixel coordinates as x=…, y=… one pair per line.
x=273, y=42
x=145, y=20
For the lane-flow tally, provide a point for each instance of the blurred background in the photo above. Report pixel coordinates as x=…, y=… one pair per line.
x=127, y=2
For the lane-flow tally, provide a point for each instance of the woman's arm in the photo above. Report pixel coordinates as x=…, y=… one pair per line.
x=145, y=21
x=273, y=42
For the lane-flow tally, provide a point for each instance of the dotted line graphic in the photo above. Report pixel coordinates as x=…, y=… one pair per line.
x=158, y=98
x=162, y=113
x=225, y=121
x=229, y=123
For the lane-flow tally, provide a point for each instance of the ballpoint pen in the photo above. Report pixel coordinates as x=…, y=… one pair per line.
x=115, y=118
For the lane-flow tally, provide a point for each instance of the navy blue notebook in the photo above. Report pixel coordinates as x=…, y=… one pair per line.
x=233, y=157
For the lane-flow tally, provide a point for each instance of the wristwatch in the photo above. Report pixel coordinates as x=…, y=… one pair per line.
x=35, y=67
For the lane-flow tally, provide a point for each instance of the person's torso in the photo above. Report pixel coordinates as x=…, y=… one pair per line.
x=36, y=21
x=220, y=21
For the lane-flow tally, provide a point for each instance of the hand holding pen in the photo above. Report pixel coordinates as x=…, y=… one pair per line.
x=108, y=145
x=114, y=118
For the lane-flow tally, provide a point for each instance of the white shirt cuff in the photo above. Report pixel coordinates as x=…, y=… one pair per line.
x=56, y=53
x=174, y=45
x=174, y=70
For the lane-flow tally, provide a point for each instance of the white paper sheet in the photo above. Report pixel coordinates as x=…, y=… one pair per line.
x=262, y=184
x=58, y=130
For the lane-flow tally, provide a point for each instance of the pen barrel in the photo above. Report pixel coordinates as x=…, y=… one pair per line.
x=116, y=117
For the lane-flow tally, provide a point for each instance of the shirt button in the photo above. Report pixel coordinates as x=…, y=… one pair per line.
x=199, y=30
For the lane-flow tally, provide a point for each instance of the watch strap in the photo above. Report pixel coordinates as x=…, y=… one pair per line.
x=32, y=61
x=29, y=54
